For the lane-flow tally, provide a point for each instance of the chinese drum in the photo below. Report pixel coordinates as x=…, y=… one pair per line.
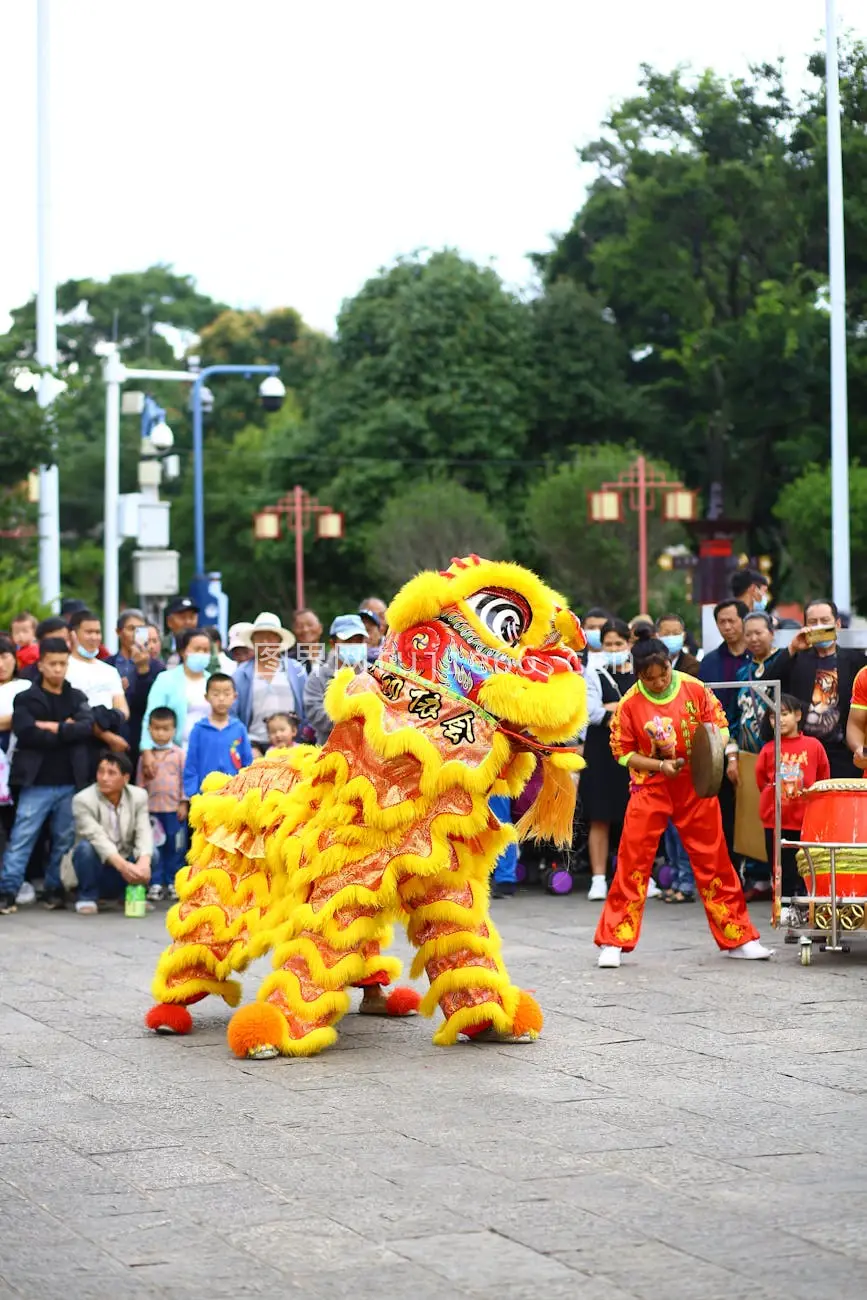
x=836, y=813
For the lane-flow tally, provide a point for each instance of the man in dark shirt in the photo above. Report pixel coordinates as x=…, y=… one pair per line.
x=725, y=662
x=822, y=675
x=52, y=724
x=723, y=665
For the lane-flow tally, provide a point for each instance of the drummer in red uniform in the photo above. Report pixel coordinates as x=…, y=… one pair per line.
x=856, y=727
x=651, y=733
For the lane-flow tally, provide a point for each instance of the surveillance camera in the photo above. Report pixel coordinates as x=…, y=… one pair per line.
x=271, y=393
x=161, y=436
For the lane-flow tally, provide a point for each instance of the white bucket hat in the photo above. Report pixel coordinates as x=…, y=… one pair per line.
x=237, y=632
x=266, y=622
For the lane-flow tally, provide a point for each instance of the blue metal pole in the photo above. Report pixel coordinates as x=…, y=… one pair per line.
x=198, y=451
x=198, y=479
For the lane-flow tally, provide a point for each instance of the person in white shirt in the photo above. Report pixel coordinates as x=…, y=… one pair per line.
x=99, y=681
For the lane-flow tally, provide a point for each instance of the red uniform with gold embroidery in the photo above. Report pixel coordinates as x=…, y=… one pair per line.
x=859, y=690
x=663, y=726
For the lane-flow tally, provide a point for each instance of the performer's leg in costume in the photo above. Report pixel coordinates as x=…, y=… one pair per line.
x=323, y=947
x=459, y=948
x=333, y=941
x=647, y=815
x=700, y=827
x=225, y=889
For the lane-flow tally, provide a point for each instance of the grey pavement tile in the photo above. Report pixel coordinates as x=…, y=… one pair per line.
x=305, y=1244
x=170, y=1167
x=232, y=1205
x=398, y=1281
x=675, y=1133
x=481, y=1258
x=579, y=1286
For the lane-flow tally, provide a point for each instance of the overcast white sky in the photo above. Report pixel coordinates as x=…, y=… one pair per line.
x=281, y=151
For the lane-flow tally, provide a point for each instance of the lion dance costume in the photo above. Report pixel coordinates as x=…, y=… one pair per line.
x=313, y=854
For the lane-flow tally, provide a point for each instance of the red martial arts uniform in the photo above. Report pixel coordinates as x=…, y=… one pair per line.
x=662, y=726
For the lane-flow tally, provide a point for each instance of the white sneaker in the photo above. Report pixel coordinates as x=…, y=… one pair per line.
x=26, y=894
x=598, y=891
x=653, y=890
x=86, y=908
x=752, y=951
x=609, y=957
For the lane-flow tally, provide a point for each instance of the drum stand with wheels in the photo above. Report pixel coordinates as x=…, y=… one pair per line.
x=823, y=917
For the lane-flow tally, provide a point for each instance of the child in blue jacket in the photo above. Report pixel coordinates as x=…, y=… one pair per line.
x=218, y=743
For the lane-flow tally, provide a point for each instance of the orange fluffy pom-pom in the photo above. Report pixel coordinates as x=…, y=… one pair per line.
x=169, y=1018
x=528, y=1017
x=255, y=1026
x=402, y=1002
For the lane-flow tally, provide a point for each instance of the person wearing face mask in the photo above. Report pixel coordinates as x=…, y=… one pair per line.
x=592, y=623
x=181, y=689
x=671, y=631
x=823, y=675
x=751, y=586
x=604, y=783
x=348, y=640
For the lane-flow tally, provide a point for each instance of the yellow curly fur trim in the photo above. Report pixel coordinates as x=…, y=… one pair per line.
x=427, y=595
x=451, y=1029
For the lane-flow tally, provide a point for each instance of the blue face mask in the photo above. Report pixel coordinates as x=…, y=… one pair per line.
x=352, y=654
x=760, y=605
x=673, y=644
x=88, y=654
x=594, y=638
x=618, y=658
x=197, y=662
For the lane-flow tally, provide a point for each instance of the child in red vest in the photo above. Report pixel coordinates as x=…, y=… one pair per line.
x=803, y=762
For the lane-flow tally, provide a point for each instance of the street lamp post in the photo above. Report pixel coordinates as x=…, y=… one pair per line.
x=642, y=482
x=115, y=375
x=46, y=314
x=270, y=401
x=299, y=509
x=840, y=544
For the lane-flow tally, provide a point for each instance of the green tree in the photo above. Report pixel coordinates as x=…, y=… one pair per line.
x=431, y=523
x=804, y=510
x=596, y=564
x=703, y=237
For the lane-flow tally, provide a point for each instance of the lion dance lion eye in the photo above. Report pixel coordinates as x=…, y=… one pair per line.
x=503, y=613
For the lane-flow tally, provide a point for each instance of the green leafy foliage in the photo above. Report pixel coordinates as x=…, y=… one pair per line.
x=430, y=524
x=596, y=564
x=804, y=510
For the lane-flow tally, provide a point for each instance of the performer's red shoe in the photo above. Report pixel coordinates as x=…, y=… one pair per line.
x=169, y=1018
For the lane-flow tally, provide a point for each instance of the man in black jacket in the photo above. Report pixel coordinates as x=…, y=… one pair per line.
x=822, y=675
x=52, y=725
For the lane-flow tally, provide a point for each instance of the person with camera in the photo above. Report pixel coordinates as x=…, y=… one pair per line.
x=822, y=674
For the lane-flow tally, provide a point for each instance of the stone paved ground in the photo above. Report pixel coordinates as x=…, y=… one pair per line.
x=688, y=1128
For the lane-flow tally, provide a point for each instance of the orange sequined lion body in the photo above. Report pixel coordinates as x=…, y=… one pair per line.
x=314, y=854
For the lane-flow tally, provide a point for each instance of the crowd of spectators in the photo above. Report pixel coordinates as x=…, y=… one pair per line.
x=101, y=754
x=816, y=680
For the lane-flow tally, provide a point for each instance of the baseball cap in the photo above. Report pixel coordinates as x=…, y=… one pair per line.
x=346, y=626
x=364, y=612
x=71, y=606
x=181, y=603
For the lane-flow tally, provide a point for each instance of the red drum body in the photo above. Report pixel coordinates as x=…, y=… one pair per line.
x=836, y=813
